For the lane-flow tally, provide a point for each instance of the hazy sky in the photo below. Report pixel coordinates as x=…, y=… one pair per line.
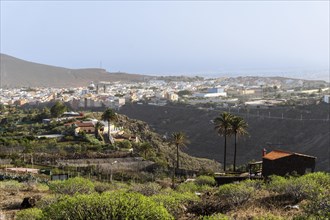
x=175, y=37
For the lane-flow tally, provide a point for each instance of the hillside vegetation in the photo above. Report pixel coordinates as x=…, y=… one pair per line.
x=304, y=197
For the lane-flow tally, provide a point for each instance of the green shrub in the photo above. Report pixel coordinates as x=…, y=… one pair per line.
x=47, y=200
x=319, y=195
x=268, y=216
x=298, y=188
x=31, y=214
x=192, y=187
x=11, y=185
x=174, y=201
x=72, y=186
x=110, y=205
x=147, y=189
x=319, y=178
x=318, y=207
x=235, y=194
x=103, y=187
x=205, y=180
x=216, y=216
x=256, y=184
x=187, y=187
x=40, y=187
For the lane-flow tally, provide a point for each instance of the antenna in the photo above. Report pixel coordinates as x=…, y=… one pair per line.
x=101, y=64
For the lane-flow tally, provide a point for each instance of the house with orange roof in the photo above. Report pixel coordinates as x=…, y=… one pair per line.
x=279, y=162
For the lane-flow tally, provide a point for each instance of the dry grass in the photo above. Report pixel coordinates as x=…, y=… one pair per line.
x=12, y=194
x=264, y=203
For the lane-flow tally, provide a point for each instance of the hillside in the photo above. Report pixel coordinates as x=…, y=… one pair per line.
x=303, y=136
x=164, y=151
x=20, y=73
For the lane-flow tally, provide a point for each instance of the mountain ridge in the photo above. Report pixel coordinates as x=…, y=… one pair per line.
x=16, y=73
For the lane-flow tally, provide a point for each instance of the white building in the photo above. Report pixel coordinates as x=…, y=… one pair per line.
x=172, y=97
x=210, y=95
x=326, y=99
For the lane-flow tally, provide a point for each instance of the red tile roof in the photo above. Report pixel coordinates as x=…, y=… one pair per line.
x=80, y=124
x=277, y=154
x=85, y=124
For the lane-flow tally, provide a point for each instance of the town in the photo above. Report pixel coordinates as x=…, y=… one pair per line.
x=163, y=110
x=234, y=92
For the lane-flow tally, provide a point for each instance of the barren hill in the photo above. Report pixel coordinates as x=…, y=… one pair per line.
x=20, y=73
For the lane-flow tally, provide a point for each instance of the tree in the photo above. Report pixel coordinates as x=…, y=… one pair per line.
x=109, y=115
x=275, y=90
x=57, y=109
x=223, y=128
x=98, y=127
x=126, y=144
x=179, y=140
x=146, y=148
x=238, y=127
x=43, y=114
x=184, y=92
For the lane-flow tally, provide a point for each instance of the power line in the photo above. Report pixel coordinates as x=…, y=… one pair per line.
x=247, y=114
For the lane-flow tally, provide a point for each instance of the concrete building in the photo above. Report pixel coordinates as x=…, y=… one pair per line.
x=172, y=97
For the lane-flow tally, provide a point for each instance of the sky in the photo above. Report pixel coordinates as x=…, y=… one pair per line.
x=169, y=37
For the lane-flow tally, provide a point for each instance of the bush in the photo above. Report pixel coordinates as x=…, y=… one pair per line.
x=111, y=205
x=11, y=186
x=72, y=186
x=255, y=184
x=187, y=187
x=31, y=214
x=318, y=207
x=103, y=187
x=268, y=216
x=235, y=194
x=34, y=186
x=319, y=178
x=173, y=201
x=47, y=200
x=147, y=189
x=216, y=216
x=205, y=180
x=298, y=188
x=192, y=187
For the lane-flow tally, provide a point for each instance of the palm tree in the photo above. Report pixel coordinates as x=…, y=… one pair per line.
x=146, y=149
x=223, y=127
x=238, y=127
x=98, y=127
x=109, y=115
x=180, y=140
